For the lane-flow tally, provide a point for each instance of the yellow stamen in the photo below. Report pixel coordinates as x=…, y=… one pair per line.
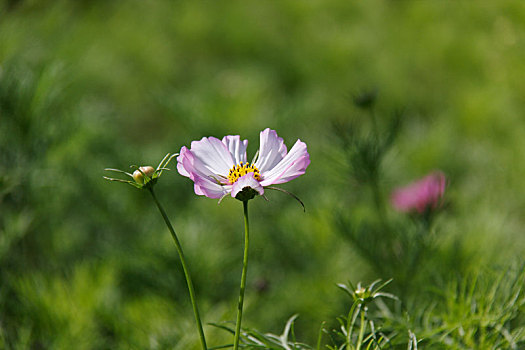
x=242, y=169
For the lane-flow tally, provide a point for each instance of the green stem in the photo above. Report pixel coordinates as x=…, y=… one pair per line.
x=361, y=330
x=243, y=277
x=185, y=268
x=350, y=322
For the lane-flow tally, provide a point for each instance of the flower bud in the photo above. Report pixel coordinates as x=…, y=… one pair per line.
x=138, y=176
x=360, y=292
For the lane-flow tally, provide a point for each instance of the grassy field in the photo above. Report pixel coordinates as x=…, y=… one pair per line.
x=87, y=85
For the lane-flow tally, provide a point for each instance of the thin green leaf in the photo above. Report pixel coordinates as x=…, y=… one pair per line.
x=221, y=347
x=222, y=197
x=119, y=171
x=345, y=288
x=132, y=183
x=288, y=193
x=222, y=327
x=161, y=164
x=320, y=337
x=371, y=286
x=383, y=285
x=386, y=295
x=165, y=161
x=284, y=336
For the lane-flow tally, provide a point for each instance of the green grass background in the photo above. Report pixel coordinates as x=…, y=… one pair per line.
x=86, y=85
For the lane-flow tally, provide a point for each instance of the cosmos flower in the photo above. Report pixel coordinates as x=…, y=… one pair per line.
x=220, y=167
x=421, y=195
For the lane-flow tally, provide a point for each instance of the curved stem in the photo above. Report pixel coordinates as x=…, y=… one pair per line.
x=184, y=267
x=243, y=277
x=362, y=329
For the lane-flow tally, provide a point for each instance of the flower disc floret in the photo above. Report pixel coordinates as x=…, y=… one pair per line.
x=219, y=167
x=242, y=169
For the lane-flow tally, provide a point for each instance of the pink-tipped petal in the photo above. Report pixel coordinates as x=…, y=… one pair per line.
x=294, y=164
x=206, y=183
x=180, y=165
x=193, y=166
x=236, y=147
x=294, y=170
x=271, y=150
x=213, y=154
x=246, y=181
x=209, y=188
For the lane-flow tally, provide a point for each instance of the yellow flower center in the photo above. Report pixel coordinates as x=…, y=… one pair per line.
x=242, y=169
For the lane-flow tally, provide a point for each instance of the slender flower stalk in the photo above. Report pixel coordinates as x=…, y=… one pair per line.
x=350, y=321
x=362, y=328
x=243, y=277
x=145, y=177
x=184, y=267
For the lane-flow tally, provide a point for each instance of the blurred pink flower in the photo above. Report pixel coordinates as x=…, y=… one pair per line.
x=421, y=195
x=219, y=167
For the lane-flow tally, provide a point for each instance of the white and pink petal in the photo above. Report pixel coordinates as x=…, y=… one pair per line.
x=184, y=153
x=213, y=154
x=192, y=166
x=246, y=181
x=293, y=165
x=236, y=147
x=271, y=150
x=209, y=188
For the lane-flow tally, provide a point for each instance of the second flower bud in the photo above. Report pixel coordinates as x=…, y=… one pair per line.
x=138, y=175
